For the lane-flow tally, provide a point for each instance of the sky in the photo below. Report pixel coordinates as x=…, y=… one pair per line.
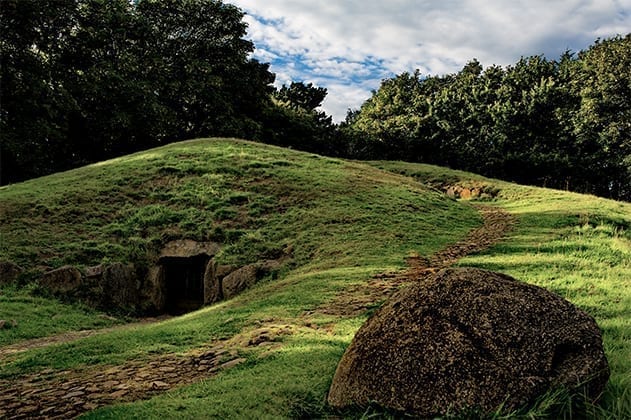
x=349, y=46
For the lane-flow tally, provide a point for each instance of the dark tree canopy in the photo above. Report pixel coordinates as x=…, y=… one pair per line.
x=561, y=123
x=84, y=80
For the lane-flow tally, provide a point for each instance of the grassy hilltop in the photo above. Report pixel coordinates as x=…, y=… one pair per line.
x=340, y=222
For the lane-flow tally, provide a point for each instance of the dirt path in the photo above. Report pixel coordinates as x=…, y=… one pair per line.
x=354, y=301
x=35, y=343
x=66, y=394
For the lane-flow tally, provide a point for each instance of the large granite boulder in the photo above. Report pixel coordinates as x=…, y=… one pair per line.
x=469, y=338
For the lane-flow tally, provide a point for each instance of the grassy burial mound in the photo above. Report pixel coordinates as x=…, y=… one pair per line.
x=237, y=202
x=332, y=226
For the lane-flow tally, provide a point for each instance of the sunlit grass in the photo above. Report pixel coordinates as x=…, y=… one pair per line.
x=342, y=222
x=575, y=245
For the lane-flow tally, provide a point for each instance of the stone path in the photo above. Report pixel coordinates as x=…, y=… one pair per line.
x=66, y=394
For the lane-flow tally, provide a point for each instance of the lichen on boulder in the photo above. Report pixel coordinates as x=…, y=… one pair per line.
x=469, y=339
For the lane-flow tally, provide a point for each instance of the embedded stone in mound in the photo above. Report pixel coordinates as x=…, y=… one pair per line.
x=61, y=280
x=187, y=248
x=122, y=285
x=469, y=338
x=246, y=277
x=9, y=272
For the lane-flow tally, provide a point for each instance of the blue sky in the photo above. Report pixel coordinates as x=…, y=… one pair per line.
x=349, y=46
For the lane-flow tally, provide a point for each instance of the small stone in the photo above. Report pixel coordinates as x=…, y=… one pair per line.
x=159, y=384
x=73, y=394
x=232, y=363
x=28, y=409
x=47, y=410
x=90, y=406
x=110, y=384
x=119, y=394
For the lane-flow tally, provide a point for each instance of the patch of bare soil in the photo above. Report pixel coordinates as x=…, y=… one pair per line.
x=66, y=394
x=357, y=300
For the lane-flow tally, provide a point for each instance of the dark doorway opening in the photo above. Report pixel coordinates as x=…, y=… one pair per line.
x=184, y=278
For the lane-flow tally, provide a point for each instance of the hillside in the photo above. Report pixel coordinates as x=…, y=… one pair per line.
x=335, y=224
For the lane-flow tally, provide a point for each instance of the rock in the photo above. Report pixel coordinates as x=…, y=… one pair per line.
x=153, y=294
x=232, y=363
x=469, y=338
x=187, y=248
x=119, y=394
x=465, y=194
x=246, y=277
x=223, y=270
x=159, y=384
x=212, y=284
x=61, y=280
x=73, y=394
x=9, y=272
x=6, y=325
x=213, y=279
x=95, y=271
x=121, y=285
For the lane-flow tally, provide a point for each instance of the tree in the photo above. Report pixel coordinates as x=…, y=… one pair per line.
x=563, y=124
x=293, y=120
x=603, y=123
x=84, y=80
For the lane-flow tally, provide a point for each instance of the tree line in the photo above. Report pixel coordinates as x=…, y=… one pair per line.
x=87, y=80
x=562, y=123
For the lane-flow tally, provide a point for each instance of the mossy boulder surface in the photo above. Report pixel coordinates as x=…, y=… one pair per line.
x=469, y=339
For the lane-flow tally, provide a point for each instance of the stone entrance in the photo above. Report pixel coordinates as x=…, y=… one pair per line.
x=182, y=275
x=184, y=282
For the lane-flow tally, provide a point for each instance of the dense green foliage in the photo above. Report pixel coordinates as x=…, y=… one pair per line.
x=86, y=80
x=564, y=123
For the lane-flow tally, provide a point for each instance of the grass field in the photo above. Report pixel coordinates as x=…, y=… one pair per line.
x=341, y=221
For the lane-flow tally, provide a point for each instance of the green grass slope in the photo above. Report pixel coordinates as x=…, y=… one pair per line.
x=342, y=222
x=578, y=246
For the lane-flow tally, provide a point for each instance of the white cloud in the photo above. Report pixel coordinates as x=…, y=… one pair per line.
x=349, y=46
